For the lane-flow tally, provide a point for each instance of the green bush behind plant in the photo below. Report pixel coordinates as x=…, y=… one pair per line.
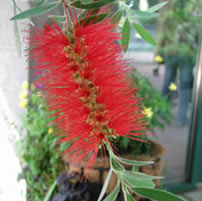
x=38, y=149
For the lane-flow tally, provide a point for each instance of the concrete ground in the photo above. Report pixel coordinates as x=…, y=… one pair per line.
x=195, y=195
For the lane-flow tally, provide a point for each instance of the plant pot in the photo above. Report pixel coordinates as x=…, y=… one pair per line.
x=157, y=151
x=101, y=167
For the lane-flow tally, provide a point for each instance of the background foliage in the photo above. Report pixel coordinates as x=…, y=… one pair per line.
x=38, y=149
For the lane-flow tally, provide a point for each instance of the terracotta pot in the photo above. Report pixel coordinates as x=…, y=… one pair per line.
x=157, y=151
x=101, y=167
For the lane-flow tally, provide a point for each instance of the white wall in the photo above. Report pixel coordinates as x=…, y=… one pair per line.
x=13, y=70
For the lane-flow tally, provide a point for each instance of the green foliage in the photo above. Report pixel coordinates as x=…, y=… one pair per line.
x=91, y=5
x=38, y=149
x=36, y=11
x=144, y=34
x=152, y=98
x=156, y=194
x=113, y=195
x=104, y=188
x=125, y=35
x=134, y=182
x=180, y=29
x=16, y=30
x=129, y=15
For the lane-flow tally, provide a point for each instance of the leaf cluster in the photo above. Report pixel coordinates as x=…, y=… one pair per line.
x=126, y=16
x=132, y=182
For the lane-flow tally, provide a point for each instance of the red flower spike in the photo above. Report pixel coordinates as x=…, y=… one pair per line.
x=84, y=78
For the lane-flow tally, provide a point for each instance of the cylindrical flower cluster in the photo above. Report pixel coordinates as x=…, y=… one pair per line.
x=85, y=83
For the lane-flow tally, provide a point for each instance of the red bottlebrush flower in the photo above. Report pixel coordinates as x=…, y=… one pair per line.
x=84, y=79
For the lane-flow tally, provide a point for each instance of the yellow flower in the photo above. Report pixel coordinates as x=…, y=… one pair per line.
x=23, y=103
x=23, y=94
x=39, y=93
x=172, y=87
x=158, y=59
x=33, y=87
x=148, y=112
x=25, y=85
x=50, y=130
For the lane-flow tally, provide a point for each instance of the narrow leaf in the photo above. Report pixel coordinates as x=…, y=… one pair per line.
x=157, y=7
x=58, y=18
x=116, y=165
x=94, y=18
x=98, y=4
x=36, y=11
x=117, y=16
x=130, y=197
x=113, y=195
x=133, y=162
x=50, y=192
x=143, y=14
x=17, y=38
x=104, y=188
x=156, y=194
x=139, y=175
x=16, y=6
x=16, y=30
x=144, y=34
x=138, y=182
x=125, y=35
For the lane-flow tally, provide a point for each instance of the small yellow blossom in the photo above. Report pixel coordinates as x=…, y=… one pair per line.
x=33, y=87
x=23, y=94
x=25, y=85
x=50, y=130
x=172, y=87
x=148, y=112
x=158, y=59
x=23, y=103
x=39, y=93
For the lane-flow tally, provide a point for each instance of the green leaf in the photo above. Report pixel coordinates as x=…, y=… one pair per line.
x=98, y=4
x=116, y=165
x=94, y=18
x=143, y=14
x=40, y=2
x=16, y=30
x=58, y=18
x=157, y=7
x=113, y=195
x=36, y=11
x=50, y=192
x=117, y=16
x=139, y=175
x=133, y=162
x=125, y=35
x=130, y=197
x=144, y=34
x=156, y=194
x=104, y=188
x=137, y=181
